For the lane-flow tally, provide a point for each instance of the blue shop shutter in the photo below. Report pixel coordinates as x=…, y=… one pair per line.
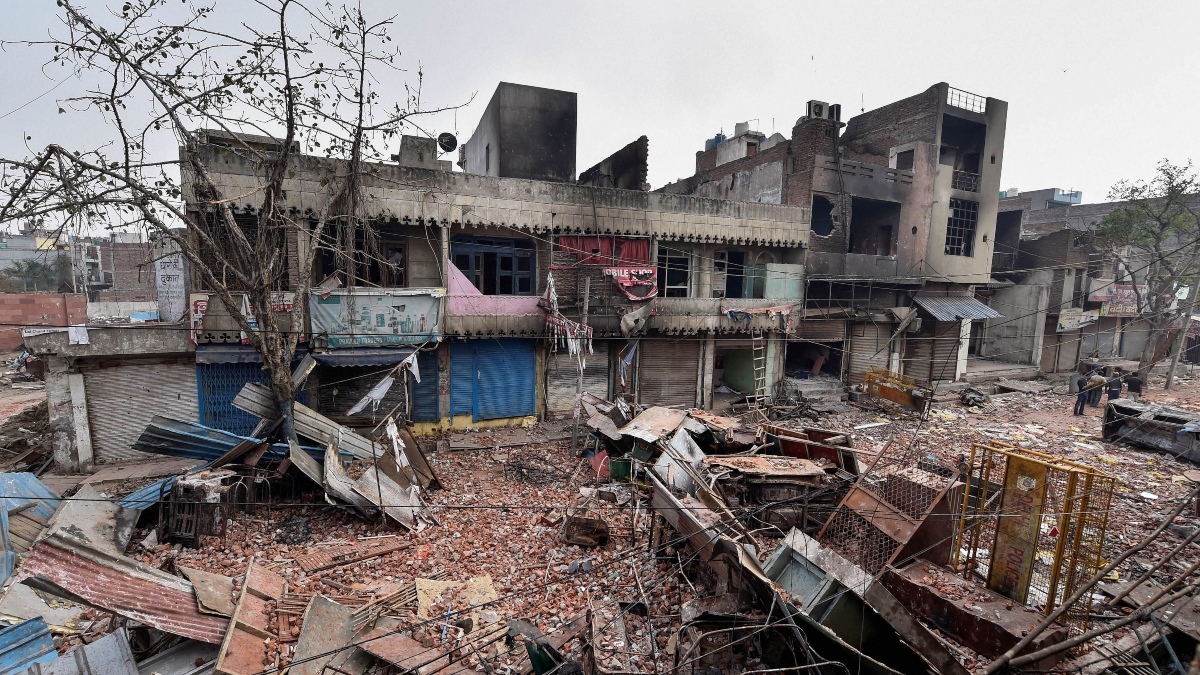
x=462, y=378
x=507, y=371
x=425, y=392
x=219, y=384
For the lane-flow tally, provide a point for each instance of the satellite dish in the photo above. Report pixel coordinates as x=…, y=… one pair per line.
x=447, y=142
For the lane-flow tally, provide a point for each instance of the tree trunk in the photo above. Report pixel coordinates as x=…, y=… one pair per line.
x=1146, y=360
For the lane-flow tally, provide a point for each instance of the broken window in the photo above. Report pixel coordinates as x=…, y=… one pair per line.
x=822, y=216
x=751, y=149
x=961, y=226
x=873, y=226
x=376, y=258
x=487, y=158
x=756, y=275
x=962, y=149
x=674, y=272
x=904, y=160
x=729, y=274
x=496, y=266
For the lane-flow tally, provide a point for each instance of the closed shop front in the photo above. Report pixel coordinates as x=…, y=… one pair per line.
x=562, y=378
x=668, y=370
x=493, y=379
x=869, y=348
x=425, y=392
x=219, y=384
x=122, y=399
x=931, y=354
x=345, y=376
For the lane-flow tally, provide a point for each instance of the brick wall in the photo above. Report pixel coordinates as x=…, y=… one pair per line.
x=129, y=295
x=871, y=135
x=131, y=265
x=37, y=309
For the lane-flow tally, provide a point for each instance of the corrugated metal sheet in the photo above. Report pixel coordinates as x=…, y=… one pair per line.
x=955, y=307
x=25, y=644
x=63, y=566
x=110, y=655
x=425, y=392
x=181, y=660
x=257, y=400
x=20, y=489
x=563, y=376
x=167, y=436
x=667, y=371
x=869, y=348
x=122, y=400
x=364, y=356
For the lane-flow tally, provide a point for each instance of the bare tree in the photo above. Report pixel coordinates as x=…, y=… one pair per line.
x=1155, y=236
x=280, y=77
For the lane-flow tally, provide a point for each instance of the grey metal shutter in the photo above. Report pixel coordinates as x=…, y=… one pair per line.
x=822, y=330
x=868, y=348
x=932, y=354
x=668, y=370
x=122, y=400
x=562, y=376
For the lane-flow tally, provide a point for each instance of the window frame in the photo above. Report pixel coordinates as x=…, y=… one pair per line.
x=666, y=258
x=472, y=249
x=960, y=237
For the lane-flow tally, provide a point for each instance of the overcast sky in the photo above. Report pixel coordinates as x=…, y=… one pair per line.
x=1097, y=91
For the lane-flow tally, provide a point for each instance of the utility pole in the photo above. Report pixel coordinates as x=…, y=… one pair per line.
x=587, y=295
x=1181, y=339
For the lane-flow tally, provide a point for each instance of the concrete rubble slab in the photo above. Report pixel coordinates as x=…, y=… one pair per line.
x=214, y=592
x=328, y=627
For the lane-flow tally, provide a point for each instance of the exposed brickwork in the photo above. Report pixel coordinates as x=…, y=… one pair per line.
x=132, y=266
x=706, y=160
x=811, y=137
x=871, y=135
x=117, y=295
x=37, y=309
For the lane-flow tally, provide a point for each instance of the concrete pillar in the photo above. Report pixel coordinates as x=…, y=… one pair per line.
x=964, y=342
x=708, y=362
x=61, y=413
x=79, y=419
x=776, y=357
x=443, y=357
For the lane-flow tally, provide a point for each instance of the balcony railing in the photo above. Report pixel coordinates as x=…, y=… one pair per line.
x=1004, y=262
x=965, y=180
x=966, y=100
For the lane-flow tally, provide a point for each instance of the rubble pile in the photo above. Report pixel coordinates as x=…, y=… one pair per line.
x=672, y=541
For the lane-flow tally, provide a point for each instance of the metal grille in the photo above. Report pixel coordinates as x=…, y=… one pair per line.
x=965, y=100
x=960, y=227
x=1032, y=527
x=220, y=384
x=964, y=180
x=877, y=520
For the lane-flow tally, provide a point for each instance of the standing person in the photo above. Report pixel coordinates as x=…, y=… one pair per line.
x=1135, y=386
x=1096, y=383
x=1115, y=384
x=1081, y=394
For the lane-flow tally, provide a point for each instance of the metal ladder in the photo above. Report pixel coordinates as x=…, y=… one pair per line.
x=759, y=344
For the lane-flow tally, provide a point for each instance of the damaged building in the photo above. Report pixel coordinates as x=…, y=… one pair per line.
x=904, y=203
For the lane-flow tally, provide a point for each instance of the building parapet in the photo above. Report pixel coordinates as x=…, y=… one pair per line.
x=443, y=198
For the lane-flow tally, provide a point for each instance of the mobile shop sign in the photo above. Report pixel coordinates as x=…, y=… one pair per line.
x=637, y=283
x=1017, y=531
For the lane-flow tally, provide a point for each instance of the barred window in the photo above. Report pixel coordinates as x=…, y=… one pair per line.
x=961, y=226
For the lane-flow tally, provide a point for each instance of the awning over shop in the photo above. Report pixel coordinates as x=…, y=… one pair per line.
x=378, y=356
x=227, y=354
x=955, y=307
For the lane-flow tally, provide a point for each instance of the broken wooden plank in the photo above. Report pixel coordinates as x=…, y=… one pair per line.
x=343, y=555
x=247, y=648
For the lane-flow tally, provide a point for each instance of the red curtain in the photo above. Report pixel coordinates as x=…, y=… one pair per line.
x=589, y=250
x=633, y=251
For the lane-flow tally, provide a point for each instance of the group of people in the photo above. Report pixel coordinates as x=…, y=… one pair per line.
x=1091, y=388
